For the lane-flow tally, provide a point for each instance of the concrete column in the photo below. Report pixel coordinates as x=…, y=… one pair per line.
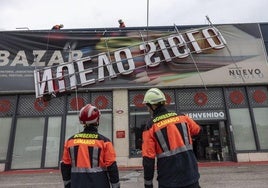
x=120, y=123
x=121, y=129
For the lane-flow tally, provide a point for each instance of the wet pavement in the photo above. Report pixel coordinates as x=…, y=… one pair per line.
x=213, y=175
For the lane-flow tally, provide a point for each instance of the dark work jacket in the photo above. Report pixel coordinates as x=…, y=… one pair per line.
x=168, y=137
x=89, y=161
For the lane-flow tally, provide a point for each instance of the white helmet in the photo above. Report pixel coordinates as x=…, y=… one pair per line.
x=154, y=96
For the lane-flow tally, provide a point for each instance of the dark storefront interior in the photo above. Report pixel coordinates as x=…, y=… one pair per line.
x=213, y=143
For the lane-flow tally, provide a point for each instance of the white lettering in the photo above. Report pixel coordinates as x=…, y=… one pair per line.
x=20, y=59
x=181, y=44
x=130, y=63
x=207, y=115
x=102, y=61
x=4, y=57
x=56, y=58
x=148, y=55
x=86, y=71
x=40, y=86
x=76, y=55
x=38, y=54
x=83, y=73
x=69, y=69
x=215, y=41
x=194, y=43
x=164, y=50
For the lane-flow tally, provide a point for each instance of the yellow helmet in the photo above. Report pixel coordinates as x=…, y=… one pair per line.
x=154, y=96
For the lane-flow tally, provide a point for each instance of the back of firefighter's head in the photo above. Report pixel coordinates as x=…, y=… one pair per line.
x=89, y=115
x=153, y=98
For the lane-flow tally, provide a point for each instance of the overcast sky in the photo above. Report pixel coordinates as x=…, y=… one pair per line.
x=43, y=14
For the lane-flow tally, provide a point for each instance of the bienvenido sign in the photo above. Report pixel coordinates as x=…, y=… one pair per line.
x=209, y=115
x=79, y=73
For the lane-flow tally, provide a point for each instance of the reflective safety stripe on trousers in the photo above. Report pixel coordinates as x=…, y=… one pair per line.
x=182, y=128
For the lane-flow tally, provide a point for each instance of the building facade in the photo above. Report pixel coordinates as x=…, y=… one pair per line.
x=217, y=75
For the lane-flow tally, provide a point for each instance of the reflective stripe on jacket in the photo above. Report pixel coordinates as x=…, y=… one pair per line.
x=168, y=137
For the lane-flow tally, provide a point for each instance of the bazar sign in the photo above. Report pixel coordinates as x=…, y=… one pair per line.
x=79, y=73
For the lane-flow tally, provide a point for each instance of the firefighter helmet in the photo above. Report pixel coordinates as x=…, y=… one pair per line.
x=154, y=96
x=89, y=115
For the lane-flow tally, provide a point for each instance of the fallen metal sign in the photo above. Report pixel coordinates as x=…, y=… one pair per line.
x=126, y=61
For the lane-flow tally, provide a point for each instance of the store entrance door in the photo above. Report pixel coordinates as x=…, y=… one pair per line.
x=213, y=144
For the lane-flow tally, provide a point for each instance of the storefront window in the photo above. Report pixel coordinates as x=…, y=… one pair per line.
x=137, y=122
x=5, y=125
x=261, y=119
x=28, y=143
x=53, y=142
x=242, y=129
x=105, y=127
x=72, y=126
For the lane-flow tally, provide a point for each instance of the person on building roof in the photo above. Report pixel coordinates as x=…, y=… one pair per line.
x=89, y=158
x=121, y=23
x=57, y=27
x=168, y=137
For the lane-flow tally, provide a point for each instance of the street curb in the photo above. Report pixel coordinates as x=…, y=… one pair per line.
x=138, y=168
x=230, y=163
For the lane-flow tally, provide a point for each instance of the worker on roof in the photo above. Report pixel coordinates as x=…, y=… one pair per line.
x=57, y=27
x=121, y=23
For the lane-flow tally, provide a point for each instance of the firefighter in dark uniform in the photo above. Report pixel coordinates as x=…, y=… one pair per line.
x=168, y=137
x=89, y=159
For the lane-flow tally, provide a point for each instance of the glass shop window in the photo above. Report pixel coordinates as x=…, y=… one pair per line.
x=5, y=127
x=28, y=143
x=242, y=129
x=261, y=119
x=137, y=122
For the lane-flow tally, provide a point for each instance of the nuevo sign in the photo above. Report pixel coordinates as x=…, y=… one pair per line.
x=124, y=61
